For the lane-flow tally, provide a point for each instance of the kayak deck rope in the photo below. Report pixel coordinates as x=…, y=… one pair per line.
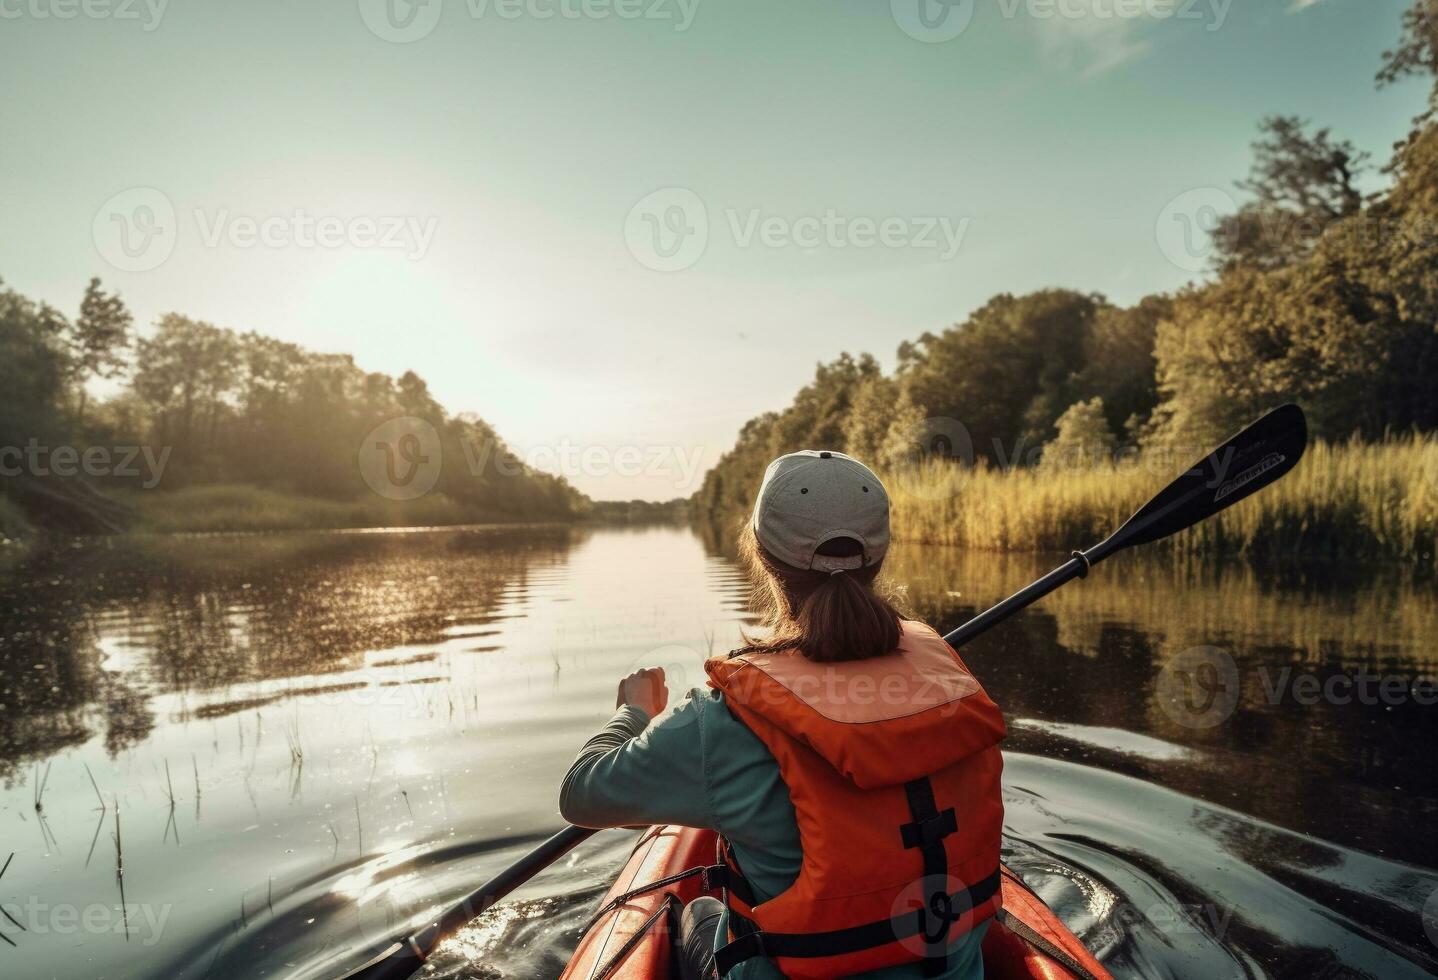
x=652, y=886
x=667, y=912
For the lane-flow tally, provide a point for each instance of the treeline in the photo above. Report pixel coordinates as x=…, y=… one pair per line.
x=212, y=406
x=1320, y=294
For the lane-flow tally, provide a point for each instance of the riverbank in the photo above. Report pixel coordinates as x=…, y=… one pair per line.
x=1350, y=501
x=238, y=507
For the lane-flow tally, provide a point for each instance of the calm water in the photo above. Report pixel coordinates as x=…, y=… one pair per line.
x=297, y=745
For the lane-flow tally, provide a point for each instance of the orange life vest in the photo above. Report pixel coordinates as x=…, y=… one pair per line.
x=893, y=768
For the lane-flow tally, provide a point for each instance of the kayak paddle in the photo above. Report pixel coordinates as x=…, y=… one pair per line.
x=402, y=960
x=1242, y=466
x=1247, y=463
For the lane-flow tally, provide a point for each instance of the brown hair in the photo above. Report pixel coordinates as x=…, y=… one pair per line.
x=826, y=617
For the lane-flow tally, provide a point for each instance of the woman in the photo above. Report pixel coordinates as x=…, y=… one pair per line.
x=848, y=760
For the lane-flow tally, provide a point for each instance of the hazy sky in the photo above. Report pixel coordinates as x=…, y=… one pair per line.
x=466, y=188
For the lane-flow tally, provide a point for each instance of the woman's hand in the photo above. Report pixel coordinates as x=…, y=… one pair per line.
x=645, y=689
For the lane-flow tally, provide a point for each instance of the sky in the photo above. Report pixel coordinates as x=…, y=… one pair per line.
x=618, y=229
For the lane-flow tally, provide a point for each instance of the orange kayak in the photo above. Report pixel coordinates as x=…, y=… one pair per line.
x=633, y=941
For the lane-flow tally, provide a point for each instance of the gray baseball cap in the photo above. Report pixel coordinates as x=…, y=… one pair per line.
x=812, y=497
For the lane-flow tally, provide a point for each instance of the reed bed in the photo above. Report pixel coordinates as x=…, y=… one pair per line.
x=1350, y=500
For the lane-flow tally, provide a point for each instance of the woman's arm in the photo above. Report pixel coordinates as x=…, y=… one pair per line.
x=628, y=774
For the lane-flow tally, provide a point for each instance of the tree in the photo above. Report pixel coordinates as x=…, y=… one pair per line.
x=1301, y=184
x=1118, y=363
x=1084, y=438
x=1007, y=372
x=1415, y=56
x=98, y=338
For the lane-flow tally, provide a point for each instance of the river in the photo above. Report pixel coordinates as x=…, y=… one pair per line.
x=295, y=745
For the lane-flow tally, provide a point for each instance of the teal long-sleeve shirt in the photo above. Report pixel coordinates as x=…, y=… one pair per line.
x=699, y=766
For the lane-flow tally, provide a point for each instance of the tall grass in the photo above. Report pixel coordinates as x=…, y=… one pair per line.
x=1362, y=501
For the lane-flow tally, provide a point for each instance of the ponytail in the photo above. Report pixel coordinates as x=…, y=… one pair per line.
x=825, y=616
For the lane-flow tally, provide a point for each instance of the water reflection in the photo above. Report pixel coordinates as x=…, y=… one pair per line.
x=297, y=745
x=1082, y=677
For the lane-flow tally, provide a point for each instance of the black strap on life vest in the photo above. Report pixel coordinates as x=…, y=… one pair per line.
x=751, y=941
x=927, y=833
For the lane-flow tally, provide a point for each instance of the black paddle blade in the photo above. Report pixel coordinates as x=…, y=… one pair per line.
x=1245, y=464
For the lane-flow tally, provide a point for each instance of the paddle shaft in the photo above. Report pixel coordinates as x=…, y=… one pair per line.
x=1076, y=567
x=402, y=960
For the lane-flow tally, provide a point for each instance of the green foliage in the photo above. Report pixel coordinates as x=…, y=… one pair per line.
x=1084, y=438
x=99, y=337
x=282, y=424
x=1007, y=372
x=1301, y=184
